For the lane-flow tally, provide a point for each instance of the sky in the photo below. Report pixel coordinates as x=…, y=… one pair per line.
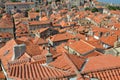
x=111, y=1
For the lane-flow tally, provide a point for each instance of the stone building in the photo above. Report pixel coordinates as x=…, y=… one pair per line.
x=13, y=6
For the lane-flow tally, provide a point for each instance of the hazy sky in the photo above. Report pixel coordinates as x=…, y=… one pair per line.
x=111, y=1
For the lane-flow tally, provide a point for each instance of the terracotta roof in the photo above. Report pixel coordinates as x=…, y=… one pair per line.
x=6, y=52
x=97, y=29
x=36, y=71
x=21, y=29
x=33, y=50
x=99, y=63
x=6, y=22
x=7, y=48
x=45, y=18
x=92, y=54
x=33, y=15
x=42, y=56
x=6, y=35
x=117, y=25
x=109, y=40
x=18, y=15
x=80, y=36
x=61, y=37
x=2, y=76
x=39, y=41
x=115, y=12
x=81, y=46
x=42, y=30
x=95, y=43
x=110, y=74
x=38, y=22
x=68, y=62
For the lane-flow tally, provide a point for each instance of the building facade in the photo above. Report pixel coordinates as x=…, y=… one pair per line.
x=12, y=6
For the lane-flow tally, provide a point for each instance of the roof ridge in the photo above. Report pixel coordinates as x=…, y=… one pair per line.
x=71, y=62
x=83, y=66
x=99, y=70
x=87, y=43
x=18, y=62
x=52, y=67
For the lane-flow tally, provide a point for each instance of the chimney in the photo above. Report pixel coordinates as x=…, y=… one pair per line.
x=100, y=34
x=117, y=43
x=86, y=37
x=18, y=51
x=68, y=18
x=90, y=33
x=40, y=14
x=47, y=12
x=49, y=56
x=118, y=38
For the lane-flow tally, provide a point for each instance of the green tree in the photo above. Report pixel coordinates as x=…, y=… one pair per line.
x=113, y=7
x=94, y=10
x=87, y=8
x=0, y=15
x=13, y=0
x=37, y=10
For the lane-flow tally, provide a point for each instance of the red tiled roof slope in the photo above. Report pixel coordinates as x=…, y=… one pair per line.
x=81, y=46
x=68, y=62
x=101, y=63
x=35, y=71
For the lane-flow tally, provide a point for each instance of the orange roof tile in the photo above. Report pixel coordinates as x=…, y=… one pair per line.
x=6, y=22
x=36, y=71
x=18, y=15
x=33, y=15
x=44, y=19
x=110, y=74
x=81, y=47
x=61, y=37
x=42, y=30
x=109, y=40
x=96, y=43
x=68, y=62
x=33, y=50
x=39, y=41
x=6, y=35
x=38, y=22
x=99, y=63
x=92, y=54
x=7, y=52
x=7, y=48
x=2, y=76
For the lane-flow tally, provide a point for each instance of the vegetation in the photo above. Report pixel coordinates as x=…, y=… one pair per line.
x=91, y=9
x=87, y=8
x=113, y=7
x=37, y=10
x=0, y=15
x=13, y=0
x=94, y=10
x=73, y=6
x=49, y=2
